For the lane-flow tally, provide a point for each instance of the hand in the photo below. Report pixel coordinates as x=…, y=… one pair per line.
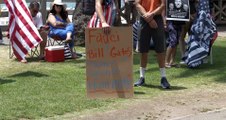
x=148, y=16
x=60, y=24
x=106, y=28
x=153, y=24
x=44, y=27
x=165, y=27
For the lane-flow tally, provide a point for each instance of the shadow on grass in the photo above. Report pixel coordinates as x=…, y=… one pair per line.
x=216, y=70
x=138, y=92
x=80, y=59
x=2, y=81
x=172, y=88
x=28, y=74
x=76, y=61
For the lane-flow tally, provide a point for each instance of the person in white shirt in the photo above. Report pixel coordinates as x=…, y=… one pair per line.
x=37, y=20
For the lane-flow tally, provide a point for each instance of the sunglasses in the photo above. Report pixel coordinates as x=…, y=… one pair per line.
x=58, y=5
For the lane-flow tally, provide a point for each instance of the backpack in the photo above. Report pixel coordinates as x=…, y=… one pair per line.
x=88, y=7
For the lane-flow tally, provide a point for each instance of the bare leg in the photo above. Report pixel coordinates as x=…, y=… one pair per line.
x=143, y=60
x=69, y=37
x=173, y=55
x=161, y=60
x=185, y=29
x=168, y=55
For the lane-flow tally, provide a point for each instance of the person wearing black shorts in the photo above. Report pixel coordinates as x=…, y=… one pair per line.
x=152, y=28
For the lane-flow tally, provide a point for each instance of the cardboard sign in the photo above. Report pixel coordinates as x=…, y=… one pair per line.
x=177, y=10
x=109, y=61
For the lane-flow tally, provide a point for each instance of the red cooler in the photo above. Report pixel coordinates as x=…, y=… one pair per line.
x=54, y=54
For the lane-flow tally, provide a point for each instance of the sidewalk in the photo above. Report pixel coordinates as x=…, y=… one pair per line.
x=212, y=115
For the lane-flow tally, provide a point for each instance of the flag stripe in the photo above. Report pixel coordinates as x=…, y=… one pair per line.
x=23, y=34
x=25, y=19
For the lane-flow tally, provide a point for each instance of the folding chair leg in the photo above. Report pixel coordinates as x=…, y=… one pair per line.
x=10, y=51
x=211, y=56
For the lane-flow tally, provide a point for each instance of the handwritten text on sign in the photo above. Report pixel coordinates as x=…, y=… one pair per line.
x=109, y=63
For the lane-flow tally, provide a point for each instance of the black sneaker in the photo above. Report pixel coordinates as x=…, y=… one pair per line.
x=164, y=83
x=140, y=82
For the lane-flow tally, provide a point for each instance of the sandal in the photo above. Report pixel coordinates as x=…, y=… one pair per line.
x=23, y=61
x=74, y=55
x=167, y=65
x=175, y=65
x=68, y=40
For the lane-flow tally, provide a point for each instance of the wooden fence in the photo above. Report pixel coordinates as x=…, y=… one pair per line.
x=220, y=11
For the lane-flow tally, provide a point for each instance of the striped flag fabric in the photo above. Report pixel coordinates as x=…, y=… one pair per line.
x=22, y=32
x=203, y=31
x=109, y=13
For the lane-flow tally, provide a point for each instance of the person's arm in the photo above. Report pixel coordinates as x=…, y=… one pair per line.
x=140, y=8
x=39, y=20
x=68, y=20
x=99, y=12
x=52, y=20
x=148, y=16
x=164, y=17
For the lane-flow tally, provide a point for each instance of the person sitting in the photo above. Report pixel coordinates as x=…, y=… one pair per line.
x=37, y=20
x=60, y=25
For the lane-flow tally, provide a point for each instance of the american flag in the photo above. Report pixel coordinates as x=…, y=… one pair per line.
x=22, y=32
x=203, y=31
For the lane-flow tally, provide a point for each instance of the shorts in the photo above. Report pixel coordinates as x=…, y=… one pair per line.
x=174, y=34
x=156, y=34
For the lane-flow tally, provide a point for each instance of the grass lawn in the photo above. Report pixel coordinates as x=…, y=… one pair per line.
x=40, y=89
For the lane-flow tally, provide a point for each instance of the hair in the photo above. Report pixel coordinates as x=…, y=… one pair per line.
x=34, y=4
x=63, y=12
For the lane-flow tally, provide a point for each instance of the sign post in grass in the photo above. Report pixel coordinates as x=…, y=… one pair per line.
x=109, y=60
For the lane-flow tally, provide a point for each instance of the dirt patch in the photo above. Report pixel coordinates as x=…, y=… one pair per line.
x=165, y=107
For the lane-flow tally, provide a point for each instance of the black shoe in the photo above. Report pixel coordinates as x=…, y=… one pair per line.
x=164, y=83
x=140, y=82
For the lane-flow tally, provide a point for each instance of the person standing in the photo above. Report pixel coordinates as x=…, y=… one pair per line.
x=106, y=15
x=130, y=8
x=152, y=27
x=186, y=28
